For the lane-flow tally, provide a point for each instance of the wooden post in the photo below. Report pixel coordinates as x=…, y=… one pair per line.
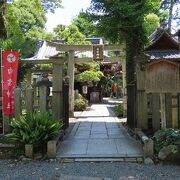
x=142, y=110
x=71, y=82
x=42, y=98
x=124, y=86
x=57, y=98
x=174, y=111
x=28, y=77
x=29, y=150
x=142, y=120
x=168, y=110
x=163, y=110
x=17, y=97
x=29, y=99
x=51, y=149
x=7, y=121
x=178, y=96
x=155, y=111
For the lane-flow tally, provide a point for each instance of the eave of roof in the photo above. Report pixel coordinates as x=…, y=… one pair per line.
x=166, y=54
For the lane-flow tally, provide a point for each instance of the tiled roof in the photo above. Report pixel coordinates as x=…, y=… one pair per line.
x=44, y=51
x=158, y=33
x=162, y=40
x=171, y=54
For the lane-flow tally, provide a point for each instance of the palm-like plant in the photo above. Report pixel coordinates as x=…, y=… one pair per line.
x=35, y=128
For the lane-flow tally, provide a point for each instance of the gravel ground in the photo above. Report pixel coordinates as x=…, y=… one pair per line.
x=42, y=170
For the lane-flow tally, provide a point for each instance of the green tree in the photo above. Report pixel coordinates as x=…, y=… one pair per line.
x=123, y=20
x=48, y=5
x=58, y=30
x=14, y=32
x=25, y=25
x=70, y=34
x=151, y=23
x=85, y=24
x=173, y=12
x=51, y=5
x=3, y=33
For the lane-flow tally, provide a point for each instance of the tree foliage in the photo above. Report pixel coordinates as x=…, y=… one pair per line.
x=85, y=24
x=2, y=19
x=70, y=34
x=117, y=18
x=172, y=9
x=25, y=21
x=90, y=76
x=51, y=5
x=151, y=23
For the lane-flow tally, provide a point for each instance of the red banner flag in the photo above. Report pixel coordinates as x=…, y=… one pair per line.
x=10, y=61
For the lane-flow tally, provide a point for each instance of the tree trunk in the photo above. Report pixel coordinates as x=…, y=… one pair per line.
x=3, y=33
x=134, y=46
x=170, y=15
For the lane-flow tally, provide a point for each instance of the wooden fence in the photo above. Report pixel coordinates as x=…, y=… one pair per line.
x=158, y=96
x=168, y=106
x=32, y=99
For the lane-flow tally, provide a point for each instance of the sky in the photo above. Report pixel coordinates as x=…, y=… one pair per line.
x=65, y=15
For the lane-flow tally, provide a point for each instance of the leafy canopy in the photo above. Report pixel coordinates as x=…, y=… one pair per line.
x=25, y=21
x=85, y=24
x=51, y=5
x=90, y=76
x=151, y=23
x=117, y=18
x=70, y=34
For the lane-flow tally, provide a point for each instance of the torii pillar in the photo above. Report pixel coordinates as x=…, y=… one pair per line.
x=70, y=73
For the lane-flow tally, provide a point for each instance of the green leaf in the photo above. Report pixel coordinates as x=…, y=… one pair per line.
x=34, y=128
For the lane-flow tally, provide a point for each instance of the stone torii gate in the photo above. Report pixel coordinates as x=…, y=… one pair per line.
x=71, y=49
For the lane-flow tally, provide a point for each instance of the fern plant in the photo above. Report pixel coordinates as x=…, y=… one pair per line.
x=34, y=128
x=118, y=110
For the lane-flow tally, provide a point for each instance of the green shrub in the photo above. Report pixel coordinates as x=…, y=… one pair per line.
x=166, y=137
x=90, y=76
x=34, y=128
x=118, y=110
x=80, y=103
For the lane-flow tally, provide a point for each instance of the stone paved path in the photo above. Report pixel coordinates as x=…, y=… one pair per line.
x=99, y=134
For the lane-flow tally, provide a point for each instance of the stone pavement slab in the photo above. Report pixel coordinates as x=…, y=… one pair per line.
x=101, y=147
x=73, y=147
x=128, y=146
x=99, y=134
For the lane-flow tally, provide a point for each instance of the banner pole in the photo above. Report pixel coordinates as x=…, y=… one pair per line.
x=2, y=88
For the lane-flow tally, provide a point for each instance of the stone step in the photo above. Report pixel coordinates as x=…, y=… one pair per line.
x=67, y=177
x=123, y=159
